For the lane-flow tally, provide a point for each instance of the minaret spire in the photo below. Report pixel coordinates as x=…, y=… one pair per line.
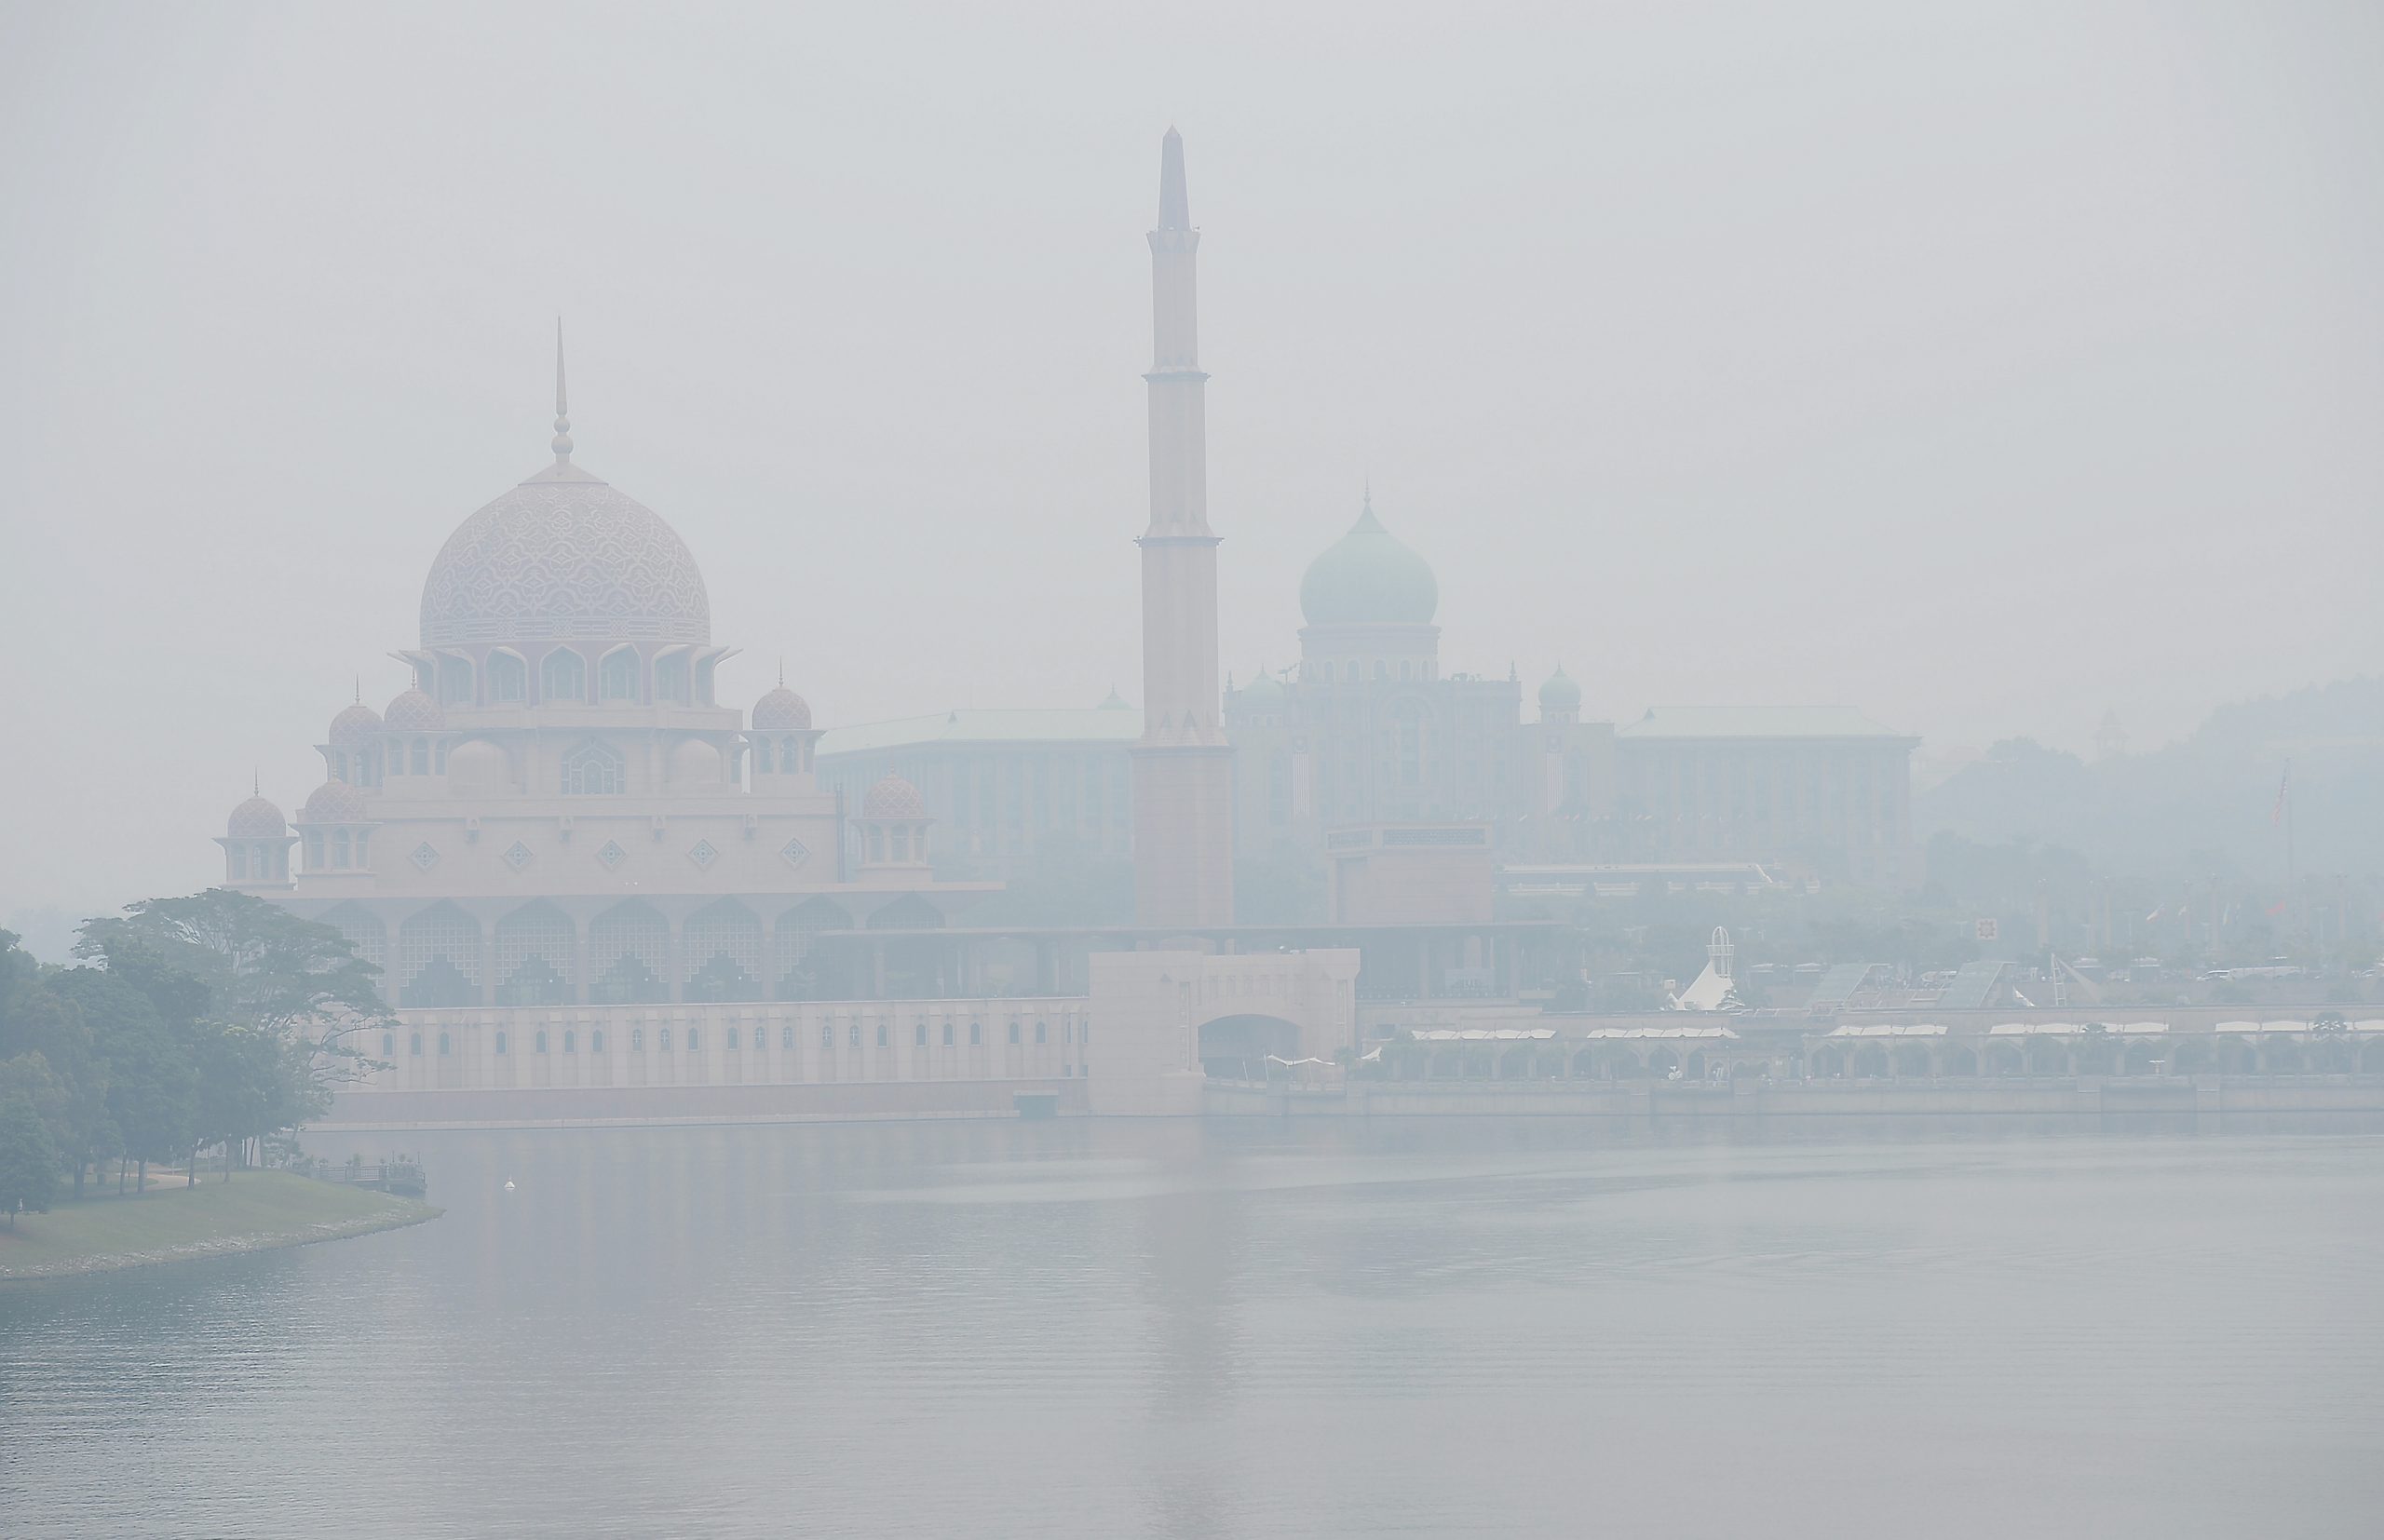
x=1183, y=765
x=562, y=404
x=1174, y=203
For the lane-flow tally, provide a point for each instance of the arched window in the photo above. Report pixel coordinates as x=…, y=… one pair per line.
x=919, y=1033
x=853, y=1034
x=670, y=678
x=420, y=765
x=732, y=1039
x=414, y=1045
x=562, y=676
x=239, y=862
x=827, y=1034
x=617, y=676
x=881, y=1034
x=1013, y=1032
x=1039, y=1033
x=695, y=1039
x=947, y=1034
x=976, y=1034
x=388, y=1044
x=446, y=1045
x=637, y=1040
x=539, y=1044
x=596, y=1041
x=508, y=677
x=662, y=1039
x=314, y=852
x=571, y=1041
x=339, y=847
x=594, y=769
x=454, y=682
x=786, y=1039
x=500, y=1042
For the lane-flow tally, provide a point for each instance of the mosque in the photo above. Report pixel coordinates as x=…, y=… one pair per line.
x=581, y=872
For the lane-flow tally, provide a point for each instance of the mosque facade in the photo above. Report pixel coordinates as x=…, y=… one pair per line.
x=559, y=810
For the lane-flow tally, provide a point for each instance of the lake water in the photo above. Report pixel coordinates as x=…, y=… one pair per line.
x=1105, y=1328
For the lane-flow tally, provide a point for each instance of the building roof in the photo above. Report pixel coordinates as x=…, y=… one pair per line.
x=1064, y=725
x=1755, y=721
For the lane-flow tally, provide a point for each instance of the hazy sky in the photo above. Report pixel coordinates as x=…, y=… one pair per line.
x=1981, y=369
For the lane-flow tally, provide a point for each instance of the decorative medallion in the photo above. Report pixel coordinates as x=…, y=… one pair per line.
x=795, y=852
x=612, y=855
x=519, y=856
x=703, y=855
x=424, y=857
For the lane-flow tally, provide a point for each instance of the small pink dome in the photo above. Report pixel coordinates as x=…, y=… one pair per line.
x=893, y=798
x=354, y=726
x=414, y=713
x=780, y=710
x=333, y=802
x=255, y=819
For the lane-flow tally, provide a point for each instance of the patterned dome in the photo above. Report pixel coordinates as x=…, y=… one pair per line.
x=1369, y=578
x=333, y=802
x=563, y=555
x=1263, y=691
x=782, y=710
x=1560, y=693
x=414, y=713
x=355, y=725
x=255, y=819
x=893, y=798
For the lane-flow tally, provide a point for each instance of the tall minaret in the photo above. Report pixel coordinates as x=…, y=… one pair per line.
x=1182, y=766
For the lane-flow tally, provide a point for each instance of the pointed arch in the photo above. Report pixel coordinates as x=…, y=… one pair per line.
x=366, y=932
x=438, y=958
x=532, y=956
x=594, y=769
x=618, y=679
x=629, y=955
x=563, y=677
x=723, y=951
x=508, y=677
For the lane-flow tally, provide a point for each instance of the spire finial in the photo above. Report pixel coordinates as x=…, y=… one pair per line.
x=256, y=782
x=1174, y=203
x=359, y=689
x=562, y=403
x=782, y=670
x=1370, y=492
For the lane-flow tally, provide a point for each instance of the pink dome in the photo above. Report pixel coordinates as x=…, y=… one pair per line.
x=333, y=802
x=354, y=726
x=893, y=798
x=255, y=819
x=414, y=713
x=782, y=710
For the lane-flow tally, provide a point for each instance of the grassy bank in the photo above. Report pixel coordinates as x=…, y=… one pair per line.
x=254, y=1211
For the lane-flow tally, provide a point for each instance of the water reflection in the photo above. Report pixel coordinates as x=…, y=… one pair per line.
x=1104, y=1328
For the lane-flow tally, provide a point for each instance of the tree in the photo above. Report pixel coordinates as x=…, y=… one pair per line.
x=28, y=1157
x=265, y=1007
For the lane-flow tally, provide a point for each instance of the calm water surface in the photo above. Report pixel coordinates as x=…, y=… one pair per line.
x=1104, y=1328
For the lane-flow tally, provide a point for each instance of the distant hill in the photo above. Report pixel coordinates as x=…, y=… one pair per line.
x=2199, y=807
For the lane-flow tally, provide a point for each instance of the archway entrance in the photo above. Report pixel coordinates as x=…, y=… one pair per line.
x=1236, y=1047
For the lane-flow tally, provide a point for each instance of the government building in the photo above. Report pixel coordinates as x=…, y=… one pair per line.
x=1367, y=729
